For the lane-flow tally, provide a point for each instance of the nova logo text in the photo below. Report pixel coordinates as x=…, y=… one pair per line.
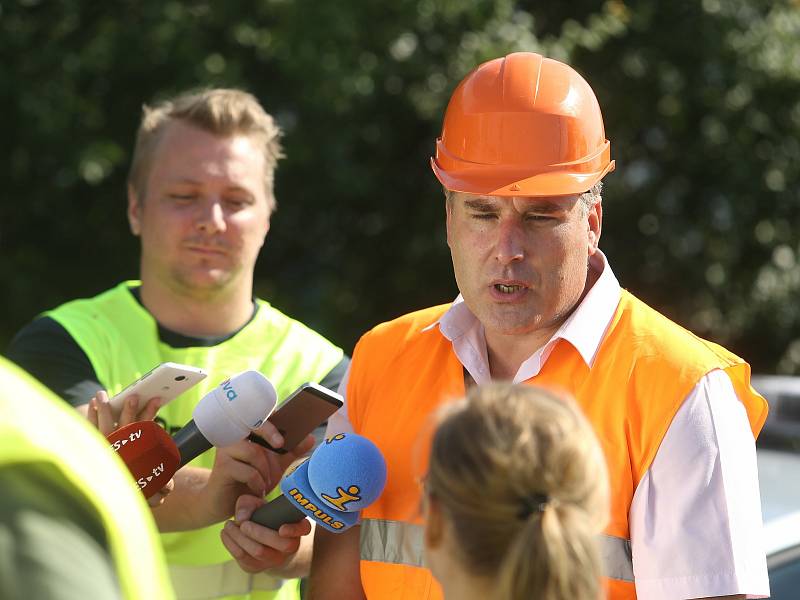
x=230, y=393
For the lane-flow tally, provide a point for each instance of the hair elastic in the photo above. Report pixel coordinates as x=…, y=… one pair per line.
x=534, y=503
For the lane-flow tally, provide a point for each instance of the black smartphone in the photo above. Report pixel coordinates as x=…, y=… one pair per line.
x=302, y=412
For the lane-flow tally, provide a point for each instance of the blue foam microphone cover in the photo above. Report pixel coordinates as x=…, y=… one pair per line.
x=347, y=472
x=296, y=489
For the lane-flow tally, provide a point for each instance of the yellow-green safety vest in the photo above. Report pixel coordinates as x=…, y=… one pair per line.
x=120, y=338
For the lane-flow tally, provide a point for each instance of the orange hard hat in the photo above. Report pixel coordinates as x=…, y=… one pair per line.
x=523, y=125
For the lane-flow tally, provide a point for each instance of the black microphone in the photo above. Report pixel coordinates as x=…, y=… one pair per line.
x=226, y=414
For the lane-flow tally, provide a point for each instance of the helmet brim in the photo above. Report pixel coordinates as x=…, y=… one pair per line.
x=492, y=182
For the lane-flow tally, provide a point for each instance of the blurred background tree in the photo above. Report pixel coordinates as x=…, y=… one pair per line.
x=701, y=101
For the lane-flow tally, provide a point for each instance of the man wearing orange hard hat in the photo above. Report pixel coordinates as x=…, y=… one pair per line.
x=521, y=158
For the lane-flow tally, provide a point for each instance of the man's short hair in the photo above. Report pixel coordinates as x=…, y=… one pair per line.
x=591, y=197
x=221, y=112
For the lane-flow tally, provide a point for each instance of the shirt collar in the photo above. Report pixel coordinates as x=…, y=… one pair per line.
x=587, y=324
x=455, y=321
x=584, y=328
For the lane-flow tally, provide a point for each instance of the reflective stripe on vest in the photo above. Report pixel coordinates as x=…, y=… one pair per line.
x=401, y=543
x=216, y=581
x=617, y=558
x=392, y=542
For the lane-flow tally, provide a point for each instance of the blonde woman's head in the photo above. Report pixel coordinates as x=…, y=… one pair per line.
x=518, y=481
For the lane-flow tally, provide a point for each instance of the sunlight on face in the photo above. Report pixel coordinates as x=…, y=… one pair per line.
x=520, y=263
x=205, y=216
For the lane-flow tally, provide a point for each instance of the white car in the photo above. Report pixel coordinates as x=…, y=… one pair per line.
x=779, y=481
x=778, y=452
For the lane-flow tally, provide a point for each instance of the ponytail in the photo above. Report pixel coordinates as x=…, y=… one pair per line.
x=554, y=553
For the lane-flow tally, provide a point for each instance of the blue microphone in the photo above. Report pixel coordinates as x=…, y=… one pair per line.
x=345, y=474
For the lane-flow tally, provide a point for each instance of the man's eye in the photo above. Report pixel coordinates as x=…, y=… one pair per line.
x=183, y=197
x=483, y=216
x=236, y=202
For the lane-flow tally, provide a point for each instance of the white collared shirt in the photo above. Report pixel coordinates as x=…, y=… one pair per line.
x=695, y=519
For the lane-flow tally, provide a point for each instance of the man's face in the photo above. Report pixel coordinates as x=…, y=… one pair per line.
x=205, y=214
x=521, y=263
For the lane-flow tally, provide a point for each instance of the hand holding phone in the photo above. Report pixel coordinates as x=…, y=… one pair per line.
x=167, y=381
x=304, y=410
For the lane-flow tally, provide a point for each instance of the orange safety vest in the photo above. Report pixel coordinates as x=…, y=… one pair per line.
x=403, y=370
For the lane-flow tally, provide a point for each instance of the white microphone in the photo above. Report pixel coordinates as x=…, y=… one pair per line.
x=226, y=414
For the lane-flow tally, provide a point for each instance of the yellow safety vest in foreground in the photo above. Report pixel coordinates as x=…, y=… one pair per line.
x=37, y=428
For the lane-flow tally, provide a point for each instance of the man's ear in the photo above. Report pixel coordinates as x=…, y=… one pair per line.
x=595, y=225
x=134, y=211
x=448, y=210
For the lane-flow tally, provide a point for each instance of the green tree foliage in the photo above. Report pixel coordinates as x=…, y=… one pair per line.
x=701, y=101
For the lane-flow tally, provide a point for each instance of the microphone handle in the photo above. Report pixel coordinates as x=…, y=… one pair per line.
x=276, y=512
x=191, y=443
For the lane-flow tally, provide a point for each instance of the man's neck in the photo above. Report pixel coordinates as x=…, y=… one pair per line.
x=197, y=316
x=507, y=352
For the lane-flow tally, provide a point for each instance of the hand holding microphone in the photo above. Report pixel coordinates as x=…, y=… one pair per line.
x=224, y=418
x=225, y=415
x=345, y=474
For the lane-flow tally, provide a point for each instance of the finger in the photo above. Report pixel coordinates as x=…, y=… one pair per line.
x=270, y=433
x=158, y=498
x=129, y=409
x=155, y=500
x=256, y=457
x=91, y=414
x=275, y=468
x=246, y=506
x=105, y=419
x=295, y=530
x=245, y=473
x=167, y=489
x=150, y=409
x=306, y=445
x=227, y=540
x=256, y=539
x=299, y=451
x=255, y=549
x=267, y=556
